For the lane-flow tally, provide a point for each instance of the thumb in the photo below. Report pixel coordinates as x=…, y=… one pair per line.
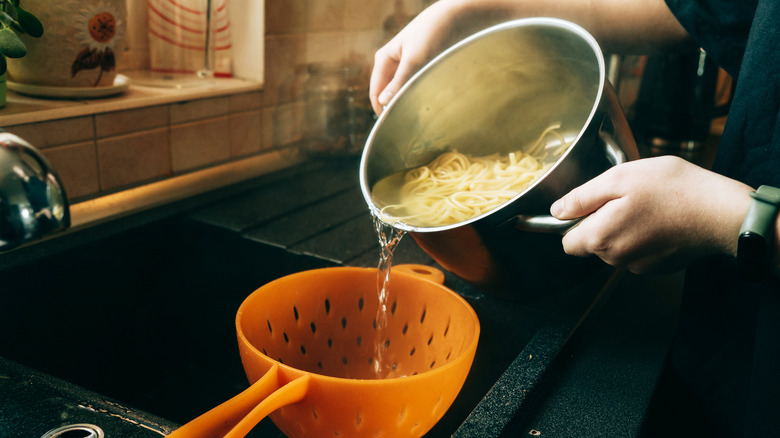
x=583, y=200
x=568, y=207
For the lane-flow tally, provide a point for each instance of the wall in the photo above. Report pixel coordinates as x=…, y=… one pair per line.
x=108, y=152
x=299, y=32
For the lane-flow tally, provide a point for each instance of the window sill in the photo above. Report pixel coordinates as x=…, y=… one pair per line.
x=21, y=109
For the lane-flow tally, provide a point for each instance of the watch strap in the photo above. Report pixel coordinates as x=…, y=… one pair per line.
x=756, y=236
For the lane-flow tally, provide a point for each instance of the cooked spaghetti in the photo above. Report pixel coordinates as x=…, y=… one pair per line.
x=456, y=187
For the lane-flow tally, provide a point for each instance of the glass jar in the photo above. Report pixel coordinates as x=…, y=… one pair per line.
x=324, y=121
x=360, y=117
x=338, y=114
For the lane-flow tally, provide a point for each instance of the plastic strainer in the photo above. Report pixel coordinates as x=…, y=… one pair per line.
x=307, y=342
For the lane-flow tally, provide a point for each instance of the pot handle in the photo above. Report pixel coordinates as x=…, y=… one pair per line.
x=236, y=417
x=550, y=224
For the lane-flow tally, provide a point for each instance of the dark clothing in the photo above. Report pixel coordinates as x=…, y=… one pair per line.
x=725, y=360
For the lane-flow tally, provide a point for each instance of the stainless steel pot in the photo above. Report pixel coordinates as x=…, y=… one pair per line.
x=496, y=91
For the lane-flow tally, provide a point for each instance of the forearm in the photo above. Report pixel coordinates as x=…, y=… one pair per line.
x=642, y=26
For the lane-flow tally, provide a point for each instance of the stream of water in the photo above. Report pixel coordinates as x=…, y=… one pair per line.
x=389, y=238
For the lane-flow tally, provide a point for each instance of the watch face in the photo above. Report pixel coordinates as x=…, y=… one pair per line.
x=752, y=255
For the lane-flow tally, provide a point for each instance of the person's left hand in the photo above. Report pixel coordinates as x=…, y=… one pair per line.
x=654, y=215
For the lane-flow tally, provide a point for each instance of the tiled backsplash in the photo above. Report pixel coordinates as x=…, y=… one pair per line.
x=111, y=151
x=106, y=152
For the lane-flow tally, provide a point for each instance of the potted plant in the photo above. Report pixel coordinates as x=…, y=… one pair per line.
x=15, y=20
x=80, y=51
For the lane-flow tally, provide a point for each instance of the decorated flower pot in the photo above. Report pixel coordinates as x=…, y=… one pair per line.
x=80, y=47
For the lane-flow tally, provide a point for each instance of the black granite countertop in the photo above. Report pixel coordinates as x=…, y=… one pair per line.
x=583, y=367
x=33, y=403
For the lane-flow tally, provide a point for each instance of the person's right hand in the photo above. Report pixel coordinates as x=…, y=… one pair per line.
x=654, y=215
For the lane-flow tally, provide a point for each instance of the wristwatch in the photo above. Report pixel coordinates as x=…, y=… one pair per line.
x=756, y=236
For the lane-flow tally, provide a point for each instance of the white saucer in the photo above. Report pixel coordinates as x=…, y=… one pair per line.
x=121, y=82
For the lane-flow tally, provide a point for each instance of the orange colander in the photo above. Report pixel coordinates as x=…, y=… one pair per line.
x=310, y=345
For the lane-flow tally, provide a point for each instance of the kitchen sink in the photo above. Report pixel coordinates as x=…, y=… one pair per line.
x=144, y=315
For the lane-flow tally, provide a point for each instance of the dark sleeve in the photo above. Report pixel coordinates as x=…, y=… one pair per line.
x=720, y=27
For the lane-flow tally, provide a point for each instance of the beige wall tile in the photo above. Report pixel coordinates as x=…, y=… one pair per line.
x=123, y=122
x=133, y=158
x=360, y=48
x=77, y=166
x=285, y=16
x=246, y=133
x=199, y=109
x=326, y=47
x=364, y=15
x=56, y=132
x=324, y=15
x=285, y=59
x=246, y=102
x=282, y=124
x=199, y=143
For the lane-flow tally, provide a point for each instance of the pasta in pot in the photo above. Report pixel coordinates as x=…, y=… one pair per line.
x=456, y=187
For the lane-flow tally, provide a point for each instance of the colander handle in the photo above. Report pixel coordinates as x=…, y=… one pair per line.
x=422, y=271
x=236, y=417
x=550, y=224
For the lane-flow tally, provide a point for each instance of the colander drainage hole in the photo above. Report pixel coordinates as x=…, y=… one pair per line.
x=82, y=430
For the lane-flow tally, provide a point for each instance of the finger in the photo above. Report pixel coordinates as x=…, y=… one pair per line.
x=385, y=67
x=588, y=197
x=395, y=75
x=602, y=233
x=576, y=241
x=406, y=68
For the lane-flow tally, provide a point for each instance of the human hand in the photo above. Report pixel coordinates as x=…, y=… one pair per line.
x=428, y=34
x=654, y=215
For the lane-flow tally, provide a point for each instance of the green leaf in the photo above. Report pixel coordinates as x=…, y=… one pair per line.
x=8, y=21
x=29, y=22
x=11, y=11
x=10, y=44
